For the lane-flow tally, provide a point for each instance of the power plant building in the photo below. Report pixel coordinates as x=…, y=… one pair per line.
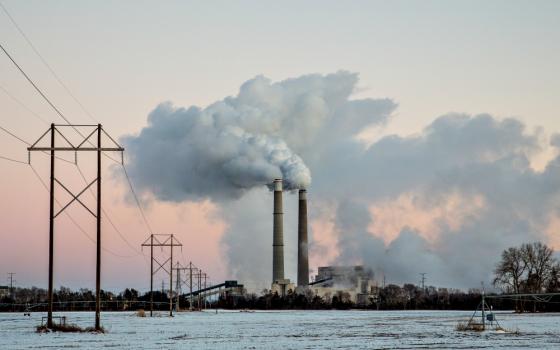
x=355, y=282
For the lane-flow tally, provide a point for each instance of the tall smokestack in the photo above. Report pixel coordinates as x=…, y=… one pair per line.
x=278, y=234
x=303, y=258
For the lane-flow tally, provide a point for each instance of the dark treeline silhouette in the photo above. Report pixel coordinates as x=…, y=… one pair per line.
x=65, y=299
x=530, y=268
x=391, y=297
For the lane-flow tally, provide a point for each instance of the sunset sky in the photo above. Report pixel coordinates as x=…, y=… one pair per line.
x=122, y=59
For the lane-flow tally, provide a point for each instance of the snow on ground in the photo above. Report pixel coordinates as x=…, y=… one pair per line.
x=283, y=330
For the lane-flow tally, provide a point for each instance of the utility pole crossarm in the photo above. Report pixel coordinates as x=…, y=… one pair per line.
x=80, y=147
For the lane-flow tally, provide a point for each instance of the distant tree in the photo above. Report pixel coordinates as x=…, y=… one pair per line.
x=539, y=261
x=554, y=280
x=510, y=270
x=130, y=294
x=530, y=268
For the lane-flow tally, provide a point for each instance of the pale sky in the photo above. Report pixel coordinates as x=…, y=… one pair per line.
x=122, y=58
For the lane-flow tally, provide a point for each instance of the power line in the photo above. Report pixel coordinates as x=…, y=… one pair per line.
x=74, y=221
x=13, y=160
x=12, y=281
x=51, y=70
x=47, y=99
x=423, y=279
x=34, y=85
x=136, y=199
x=107, y=215
x=28, y=144
x=69, y=92
x=58, y=111
x=44, y=61
x=14, y=135
x=21, y=104
x=83, y=177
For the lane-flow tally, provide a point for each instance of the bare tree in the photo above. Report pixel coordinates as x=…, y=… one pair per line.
x=539, y=260
x=530, y=268
x=553, y=284
x=510, y=270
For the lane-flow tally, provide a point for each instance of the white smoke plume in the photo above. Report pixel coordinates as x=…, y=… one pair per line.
x=245, y=141
x=196, y=153
x=308, y=125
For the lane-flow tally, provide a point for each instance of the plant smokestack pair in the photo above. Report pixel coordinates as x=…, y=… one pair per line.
x=278, y=237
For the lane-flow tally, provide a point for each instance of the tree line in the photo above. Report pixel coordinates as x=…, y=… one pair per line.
x=529, y=268
x=390, y=297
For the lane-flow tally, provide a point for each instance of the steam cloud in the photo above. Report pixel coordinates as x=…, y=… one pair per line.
x=292, y=128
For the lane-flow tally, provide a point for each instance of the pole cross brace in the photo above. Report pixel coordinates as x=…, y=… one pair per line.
x=75, y=198
x=161, y=266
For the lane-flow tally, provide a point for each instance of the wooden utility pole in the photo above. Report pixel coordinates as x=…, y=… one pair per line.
x=68, y=146
x=12, y=281
x=98, y=262
x=423, y=281
x=178, y=285
x=171, y=280
x=205, y=278
x=156, y=240
x=199, y=288
x=152, y=276
x=51, y=234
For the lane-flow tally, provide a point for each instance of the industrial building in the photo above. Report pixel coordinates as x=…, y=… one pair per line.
x=356, y=282
x=4, y=291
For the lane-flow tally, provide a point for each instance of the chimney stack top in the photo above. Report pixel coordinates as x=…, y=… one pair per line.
x=277, y=184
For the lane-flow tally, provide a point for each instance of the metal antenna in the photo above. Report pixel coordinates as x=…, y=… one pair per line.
x=423, y=280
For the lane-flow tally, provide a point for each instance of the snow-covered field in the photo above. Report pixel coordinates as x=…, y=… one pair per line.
x=284, y=330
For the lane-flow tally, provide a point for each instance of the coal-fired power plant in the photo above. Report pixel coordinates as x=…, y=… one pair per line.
x=278, y=235
x=303, y=258
x=356, y=282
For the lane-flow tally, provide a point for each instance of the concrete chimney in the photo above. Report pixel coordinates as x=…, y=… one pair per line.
x=277, y=234
x=303, y=258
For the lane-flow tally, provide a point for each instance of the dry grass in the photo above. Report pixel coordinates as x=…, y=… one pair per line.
x=68, y=328
x=478, y=327
x=469, y=326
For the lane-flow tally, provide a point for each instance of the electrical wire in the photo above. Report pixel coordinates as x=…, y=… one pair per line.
x=48, y=100
x=56, y=77
x=14, y=135
x=71, y=95
x=44, y=61
x=21, y=104
x=34, y=85
x=83, y=177
x=57, y=110
x=107, y=215
x=137, y=200
x=82, y=230
x=28, y=144
x=13, y=160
